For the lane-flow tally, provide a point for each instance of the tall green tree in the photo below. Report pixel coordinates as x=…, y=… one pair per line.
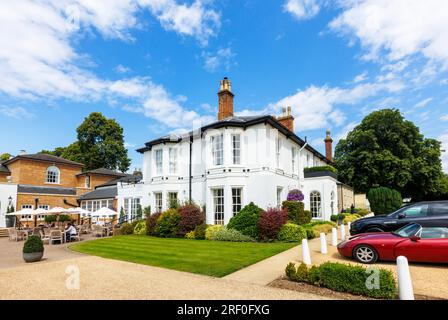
x=387, y=150
x=101, y=143
x=5, y=156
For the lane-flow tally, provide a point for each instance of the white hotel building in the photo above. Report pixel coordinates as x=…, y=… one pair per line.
x=230, y=163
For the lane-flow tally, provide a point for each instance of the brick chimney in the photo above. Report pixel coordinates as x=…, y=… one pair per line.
x=328, y=147
x=225, y=96
x=286, y=119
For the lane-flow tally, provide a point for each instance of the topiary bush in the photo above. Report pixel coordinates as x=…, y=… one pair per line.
x=246, y=221
x=140, y=227
x=167, y=225
x=33, y=244
x=345, y=278
x=384, y=200
x=191, y=216
x=50, y=218
x=151, y=222
x=225, y=234
x=270, y=223
x=64, y=218
x=199, y=231
x=291, y=232
x=211, y=231
x=296, y=212
x=126, y=228
x=334, y=217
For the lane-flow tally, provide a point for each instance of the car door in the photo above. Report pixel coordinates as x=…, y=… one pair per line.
x=438, y=214
x=418, y=213
x=431, y=247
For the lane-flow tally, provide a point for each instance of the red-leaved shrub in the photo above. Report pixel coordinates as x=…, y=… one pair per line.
x=191, y=217
x=270, y=223
x=151, y=221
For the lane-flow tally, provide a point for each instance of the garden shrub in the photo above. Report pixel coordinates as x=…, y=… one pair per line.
x=190, y=235
x=225, y=234
x=291, y=232
x=351, y=218
x=362, y=212
x=167, y=225
x=270, y=223
x=64, y=218
x=151, y=221
x=140, y=227
x=315, y=228
x=246, y=221
x=334, y=217
x=211, y=231
x=344, y=278
x=321, y=228
x=341, y=216
x=126, y=228
x=191, y=216
x=384, y=200
x=296, y=212
x=33, y=244
x=50, y=218
x=199, y=231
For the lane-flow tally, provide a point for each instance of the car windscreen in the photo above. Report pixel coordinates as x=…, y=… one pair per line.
x=434, y=233
x=409, y=230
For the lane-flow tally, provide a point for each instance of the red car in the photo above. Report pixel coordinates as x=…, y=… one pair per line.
x=417, y=243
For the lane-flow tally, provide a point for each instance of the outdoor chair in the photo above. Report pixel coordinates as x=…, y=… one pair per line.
x=37, y=232
x=12, y=233
x=97, y=231
x=56, y=235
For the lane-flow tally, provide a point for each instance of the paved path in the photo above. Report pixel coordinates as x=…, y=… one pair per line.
x=111, y=279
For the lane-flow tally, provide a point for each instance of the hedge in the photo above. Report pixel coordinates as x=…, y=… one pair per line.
x=321, y=168
x=291, y=232
x=384, y=200
x=296, y=212
x=246, y=221
x=345, y=278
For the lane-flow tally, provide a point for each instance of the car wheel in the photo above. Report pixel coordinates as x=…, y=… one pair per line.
x=365, y=254
x=374, y=229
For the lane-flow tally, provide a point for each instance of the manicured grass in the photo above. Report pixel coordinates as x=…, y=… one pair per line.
x=213, y=258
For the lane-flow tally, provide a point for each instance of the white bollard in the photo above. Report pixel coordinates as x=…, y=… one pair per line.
x=342, y=232
x=306, y=257
x=405, y=290
x=323, y=243
x=334, y=237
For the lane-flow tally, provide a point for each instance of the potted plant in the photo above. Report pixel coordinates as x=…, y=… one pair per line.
x=341, y=218
x=33, y=249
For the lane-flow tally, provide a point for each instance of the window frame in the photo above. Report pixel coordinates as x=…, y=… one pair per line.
x=293, y=159
x=217, y=149
x=159, y=169
x=316, y=199
x=172, y=158
x=158, y=206
x=218, y=214
x=236, y=207
x=279, y=192
x=55, y=175
x=236, y=151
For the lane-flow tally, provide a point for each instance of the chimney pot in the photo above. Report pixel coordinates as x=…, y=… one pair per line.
x=286, y=119
x=328, y=146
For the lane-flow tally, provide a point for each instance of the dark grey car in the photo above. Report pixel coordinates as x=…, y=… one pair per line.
x=427, y=214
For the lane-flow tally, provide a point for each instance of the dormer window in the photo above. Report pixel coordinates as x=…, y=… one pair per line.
x=53, y=175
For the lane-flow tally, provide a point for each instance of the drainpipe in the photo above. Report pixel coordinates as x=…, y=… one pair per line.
x=301, y=173
x=190, y=173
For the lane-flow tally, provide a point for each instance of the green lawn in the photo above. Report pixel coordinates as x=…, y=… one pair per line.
x=213, y=258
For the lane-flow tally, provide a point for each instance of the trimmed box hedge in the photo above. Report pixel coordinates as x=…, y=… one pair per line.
x=345, y=278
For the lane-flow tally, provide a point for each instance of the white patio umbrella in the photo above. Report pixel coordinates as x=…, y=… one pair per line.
x=57, y=210
x=104, y=212
x=21, y=212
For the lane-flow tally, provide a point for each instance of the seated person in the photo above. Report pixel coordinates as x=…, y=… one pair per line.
x=69, y=232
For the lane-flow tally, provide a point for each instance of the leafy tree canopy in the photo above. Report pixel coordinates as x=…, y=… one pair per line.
x=5, y=156
x=100, y=144
x=387, y=150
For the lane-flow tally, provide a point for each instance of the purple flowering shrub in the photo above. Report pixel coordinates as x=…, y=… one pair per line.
x=295, y=195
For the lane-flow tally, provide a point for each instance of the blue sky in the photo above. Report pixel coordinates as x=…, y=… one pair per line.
x=155, y=65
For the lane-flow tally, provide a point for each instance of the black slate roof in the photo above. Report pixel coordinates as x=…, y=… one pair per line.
x=3, y=169
x=108, y=192
x=130, y=178
x=104, y=171
x=241, y=122
x=21, y=188
x=43, y=157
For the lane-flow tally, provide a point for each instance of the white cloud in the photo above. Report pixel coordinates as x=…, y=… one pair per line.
x=223, y=58
x=15, y=112
x=302, y=9
x=444, y=117
x=361, y=77
x=314, y=107
x=38, y=59
x=400, y=28
x=423, y=103
x=129, y=145
x=345, y=130
x=444, y=139
x=121, y=69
